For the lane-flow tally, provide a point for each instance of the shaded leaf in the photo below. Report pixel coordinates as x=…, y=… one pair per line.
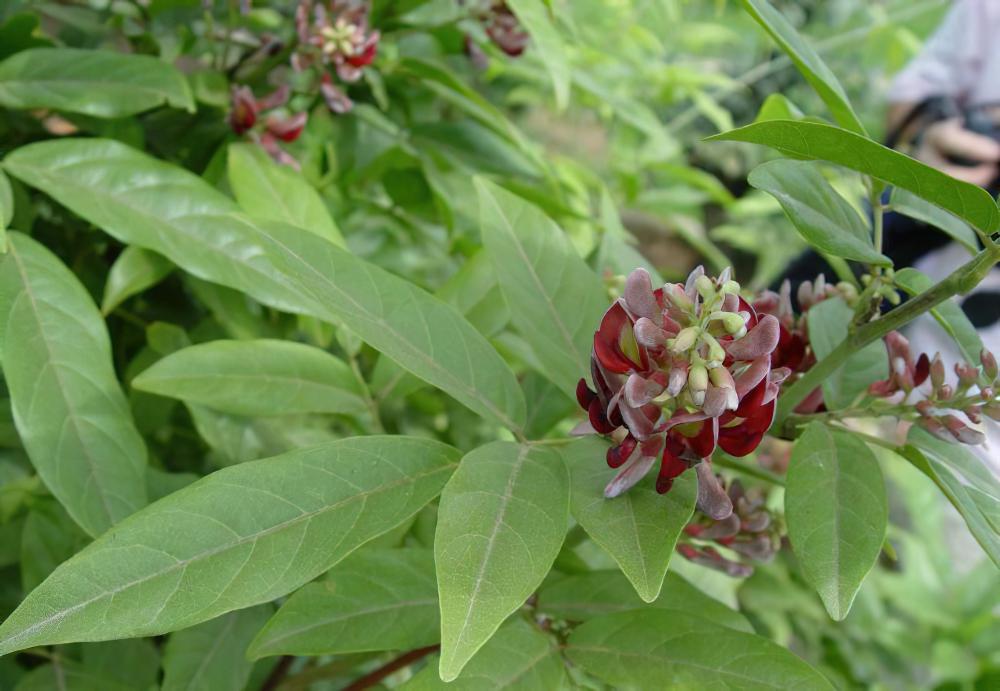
x=6, y=209
x=134, y=270
x=49, y=538
x=534, y=17
x=913, y=206
x=949, y=314
x=828, y=322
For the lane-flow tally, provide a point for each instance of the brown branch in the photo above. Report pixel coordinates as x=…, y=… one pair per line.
x=277, y=674
x=404, y=660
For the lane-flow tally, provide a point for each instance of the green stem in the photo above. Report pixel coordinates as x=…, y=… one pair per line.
x=749, y=470
x=367, y=395
x=869, y=438
x=962, y=280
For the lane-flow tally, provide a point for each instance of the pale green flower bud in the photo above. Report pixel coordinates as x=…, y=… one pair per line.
x=685, y=339
x=731, y=287
x=698, y=383
x=705, y=287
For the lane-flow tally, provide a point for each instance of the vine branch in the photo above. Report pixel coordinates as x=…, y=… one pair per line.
x=404, y=660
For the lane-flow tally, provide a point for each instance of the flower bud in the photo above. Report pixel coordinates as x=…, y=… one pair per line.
x=731, y=288
x=967, y=374
x=685, y=339
x=936, y=428
x=945, y=392
x=986, y=394
x=962, y=432
x=676, y=295
x=974, y=413
x=698, y=383
x=989, y=364
x=705, y=287
x=716, y=355
x=937, y=371
x=732, y=321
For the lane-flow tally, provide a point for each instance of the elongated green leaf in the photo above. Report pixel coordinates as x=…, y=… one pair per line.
x=948, y=314
x=50, y=537
x=70, y=674
x=212, y=656
x=965, y=480
x=266, y=189
x=616, y=254
x=384, y=599
x=261, y=377
x=661, y=649
x=135, y=270
x=807, y=61
x=557, y=301
x=828, y=322
x=155, y=205
x=823, y=218
x=913, y=206
x=817, y=141
x=502, y=520
x=68, y=408
x=100, y=83
x=238, y=537
x=837, y=512
x=778, y=107
x=519, y=656
x=6, y=209
x=585, y=596
x=638, y=529
x=534, y=17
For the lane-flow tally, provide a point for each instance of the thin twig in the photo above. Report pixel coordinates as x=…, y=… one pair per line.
x=404, y=660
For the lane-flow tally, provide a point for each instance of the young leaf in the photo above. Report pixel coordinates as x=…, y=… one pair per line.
x=501, y=523
x=6, y=209
x=212, y=656
x=638, y=529
x=556, y=300
x=135, y=270
x=948, y=314
x=534, y=17
x=519, y=656
x=777, y=107
x=913, y=206
x=587, y=595
x=816, y=141
x=383, y=599
x=615, y=253
x=261, y=377
x=266, y=189
x=238, y=537
x=823, y=218
x=142, y=201
x=92, y=82
x=837, y=511
x=965, y=480
x=828, y=323
x=68, y=407
x=660, y=649
x=807, y=61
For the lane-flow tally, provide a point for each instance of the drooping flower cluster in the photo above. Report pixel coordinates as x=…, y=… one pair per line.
x=941, y=412
x=677, y=372
x=266, y=120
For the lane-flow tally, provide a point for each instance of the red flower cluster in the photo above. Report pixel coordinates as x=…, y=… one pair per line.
x=678, y=372
x=246, y=110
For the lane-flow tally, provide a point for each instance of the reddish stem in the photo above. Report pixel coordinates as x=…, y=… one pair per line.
x=404, y=660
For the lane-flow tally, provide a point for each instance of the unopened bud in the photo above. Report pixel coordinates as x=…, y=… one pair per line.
x=685, y=339
x=732, y=321
x=675, y=293
x=731, y=288
x=716, y=354
x=945, y=392
x=962, y=432
x=890, y=294
x=974, y=413
x=936, y=428
x=967, y=374
x=937, y=371
x=705, y=287
x=848, y=291
x=698, y=383
x=989, y=364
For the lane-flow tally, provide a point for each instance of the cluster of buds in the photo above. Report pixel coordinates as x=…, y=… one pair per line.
x=504, y=28
x=972, y=396
x=749, y=531
x=266, y=120
x=678, y=372
x=335, y=35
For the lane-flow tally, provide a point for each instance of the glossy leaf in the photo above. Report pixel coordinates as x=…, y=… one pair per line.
x=68, y=407
x=558, y=300
x=134, y=270
x=212, y=656
x=384, y=599
x=965, y=480
x=238, y=537
x=812, y=140
x=808, y=62
x=519, y=656
x=911, y=205
x=588, y=595
x=501, y=522
x=660, y=649
x=828, y=322
x=837, y=511
x=266, y=189
x=823, y=218
x=949, y=314
x=640, y=528
x=534, y=17
x=161, y=207
x=92, y=82
x=260, y=377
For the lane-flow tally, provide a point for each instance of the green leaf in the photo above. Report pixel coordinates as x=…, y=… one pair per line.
x=812, y=140
x=836, y=510
x=965, y=480
x=828, y=322
x=134, y=270
x=547, y=405
x=557, y=300
x=948, y=314
x=778, y=107
x=261, y=377
x=68, y=407
x=638, y=529
x=823, y=218
x=103, y=84
x=238, y=537
x=49, y=538
x=597, y=593
x=70, y=675
x=383, y=599
x=519, y=656
x=266, y=189
x=913, y=206
x=617, y=252
x=534, y=17
x=142, y=201
x=501, y=522
x=6, y=209
x=807, y=61
x=212, y=656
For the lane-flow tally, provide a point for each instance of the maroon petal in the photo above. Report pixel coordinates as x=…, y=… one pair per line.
x=640, y=391
x=648, y=334
x=922, y=369
x=632, y=473
x=703, y=443
x=712, y=498
x=670, y=467
x=598, y=418
x=608, y=338
x=583, y=394
x=760, y=340
x=639, y=296
x=752, y=375
x=617, y=455
x=287, y=129
x=727, y=527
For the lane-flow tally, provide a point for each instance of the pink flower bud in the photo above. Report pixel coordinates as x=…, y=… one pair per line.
x=937, y=371
x=713, y=501
x=945, y=392
x=760, y=340
x=638, y=294
x=961, y=431
x=933, y=426
x=685, y=339
x=633, y=471
x=989, y=364
x=967, y=374
x=648, y=334
x=986, y=393
x=698, y=383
